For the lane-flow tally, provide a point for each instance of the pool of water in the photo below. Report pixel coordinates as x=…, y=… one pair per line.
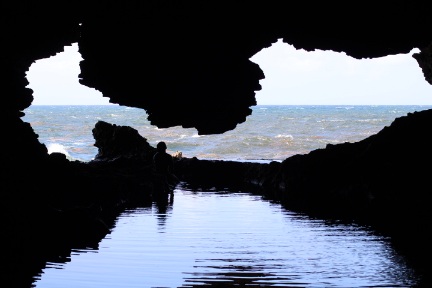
x=220, y=239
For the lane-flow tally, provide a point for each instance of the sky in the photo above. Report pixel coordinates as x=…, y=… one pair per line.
x=292, y=77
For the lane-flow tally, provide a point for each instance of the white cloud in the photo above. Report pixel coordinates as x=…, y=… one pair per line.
x=55, y=81
x=297, y=77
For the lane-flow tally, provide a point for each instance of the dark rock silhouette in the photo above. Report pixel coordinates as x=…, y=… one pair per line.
x=115, y=142
x=184, y=66
x=376, y=182
x=373, y=181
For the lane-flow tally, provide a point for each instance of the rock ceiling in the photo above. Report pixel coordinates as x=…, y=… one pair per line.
x=187, y=63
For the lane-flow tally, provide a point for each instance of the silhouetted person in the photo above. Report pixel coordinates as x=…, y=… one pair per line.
x=163, y=164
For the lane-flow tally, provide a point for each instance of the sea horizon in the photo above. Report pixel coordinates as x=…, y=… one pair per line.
x=270, y=133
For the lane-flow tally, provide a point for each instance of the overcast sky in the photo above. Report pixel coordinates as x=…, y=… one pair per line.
x=293, y=77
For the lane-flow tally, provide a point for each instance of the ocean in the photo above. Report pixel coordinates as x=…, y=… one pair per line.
x=271, y=133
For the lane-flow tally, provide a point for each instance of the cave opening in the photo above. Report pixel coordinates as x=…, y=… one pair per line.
x=64, y=112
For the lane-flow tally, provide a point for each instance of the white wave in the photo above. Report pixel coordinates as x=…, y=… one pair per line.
x=58, y=148
x=370, y=120
x=196, y=136
x=284, y=136
x=330, y=120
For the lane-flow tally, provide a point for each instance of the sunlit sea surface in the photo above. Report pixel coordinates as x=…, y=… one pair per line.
x=270, y=133
x=204, y=238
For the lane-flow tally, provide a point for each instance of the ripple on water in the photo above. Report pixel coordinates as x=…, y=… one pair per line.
x=215, y=238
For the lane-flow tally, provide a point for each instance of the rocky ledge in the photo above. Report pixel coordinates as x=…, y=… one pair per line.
x=375, y=182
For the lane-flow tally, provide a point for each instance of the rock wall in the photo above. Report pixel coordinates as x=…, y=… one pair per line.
x=187, y=63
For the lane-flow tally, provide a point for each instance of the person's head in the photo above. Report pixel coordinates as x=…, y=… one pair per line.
x=161, y=146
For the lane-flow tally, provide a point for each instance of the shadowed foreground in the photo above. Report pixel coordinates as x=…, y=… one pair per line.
x=74, y=204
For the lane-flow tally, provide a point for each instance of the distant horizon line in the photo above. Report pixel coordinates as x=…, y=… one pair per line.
x=249, y=106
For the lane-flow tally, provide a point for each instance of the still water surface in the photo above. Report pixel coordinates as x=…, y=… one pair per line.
x=214, y=237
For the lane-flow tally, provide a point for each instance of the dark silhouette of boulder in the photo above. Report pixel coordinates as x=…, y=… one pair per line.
x=115, y=142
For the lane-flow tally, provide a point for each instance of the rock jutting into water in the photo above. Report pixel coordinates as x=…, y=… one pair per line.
x=370, y=182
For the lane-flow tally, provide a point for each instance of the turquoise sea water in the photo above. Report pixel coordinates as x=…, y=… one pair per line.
x=270, y=133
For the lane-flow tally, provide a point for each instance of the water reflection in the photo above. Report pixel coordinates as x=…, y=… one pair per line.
x=163, y=205
x=218, y=239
